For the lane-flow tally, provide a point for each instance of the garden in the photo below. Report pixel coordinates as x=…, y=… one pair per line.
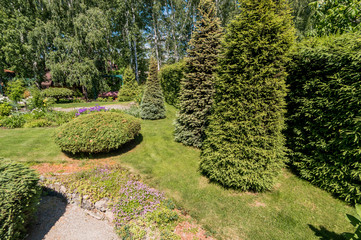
x=244, y=126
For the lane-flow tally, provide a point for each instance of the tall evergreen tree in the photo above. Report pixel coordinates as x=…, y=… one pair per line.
x=152, y=106
x=244, y=146
x=197, y=87
x=130, y=88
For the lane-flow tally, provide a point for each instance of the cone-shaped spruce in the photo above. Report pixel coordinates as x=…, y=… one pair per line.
x=152, y=106
x=197, y=87
x=130, y=88
x=244, y=145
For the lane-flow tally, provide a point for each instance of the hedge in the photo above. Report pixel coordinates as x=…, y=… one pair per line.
x=170, y=77
x=97, y=132
x=19, y=195
x=324, y=113
x=58, y=93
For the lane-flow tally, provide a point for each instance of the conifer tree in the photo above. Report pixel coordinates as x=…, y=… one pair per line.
x=244, y=145
x=152, y=106
x=130, y=88
x=197, y=87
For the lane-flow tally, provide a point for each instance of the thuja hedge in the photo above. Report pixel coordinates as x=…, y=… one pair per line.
x=170, y=77
x=97, y=132
x=324, y=113
x=19, y=195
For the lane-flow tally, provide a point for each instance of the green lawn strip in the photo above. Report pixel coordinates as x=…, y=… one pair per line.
x=30, y=145
x=287, y=212
x=87, y=104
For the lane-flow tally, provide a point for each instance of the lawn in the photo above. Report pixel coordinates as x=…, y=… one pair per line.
x=86, y=104
x=293, y=210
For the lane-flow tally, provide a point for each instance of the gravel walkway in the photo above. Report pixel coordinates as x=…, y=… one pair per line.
x=56, y=220
x=113, y=106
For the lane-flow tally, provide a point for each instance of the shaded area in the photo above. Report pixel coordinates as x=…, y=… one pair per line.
x=127, y=147
x=51, y=208
x=325, y=234
x=55, y=219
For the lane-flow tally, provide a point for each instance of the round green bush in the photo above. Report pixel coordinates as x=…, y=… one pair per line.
x=97, y=132
x=58, y=93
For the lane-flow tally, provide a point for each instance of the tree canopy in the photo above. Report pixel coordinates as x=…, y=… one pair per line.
x=80, y=41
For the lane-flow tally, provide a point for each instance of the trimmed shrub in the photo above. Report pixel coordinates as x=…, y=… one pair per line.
x=197, y=87
x=58, y=93
x=97, y=132
x=170, y=77
x=37, y=123
x=19, y=195
x=5, y=109
x=244, y=146
x=324, y=113
x=152, y=106
x=130, y=88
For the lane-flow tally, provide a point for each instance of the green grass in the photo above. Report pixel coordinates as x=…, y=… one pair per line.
x=86, y=104
x=29, y=145
x=293, y=210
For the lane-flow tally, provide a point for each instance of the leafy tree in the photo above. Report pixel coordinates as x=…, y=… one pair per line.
x=152, y=106
x=336, y=16
x=16, y=90
x=244, y=146
x=130, y=88
x=302, y=16
x=196, y=96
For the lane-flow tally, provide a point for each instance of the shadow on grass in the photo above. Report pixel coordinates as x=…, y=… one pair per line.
x=325, y=234
x=52, y=206
x=127, y=147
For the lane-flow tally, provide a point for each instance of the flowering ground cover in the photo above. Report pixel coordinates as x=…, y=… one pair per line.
x=85, y=110
x=139, y=211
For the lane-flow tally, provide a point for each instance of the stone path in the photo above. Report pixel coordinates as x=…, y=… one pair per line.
x=113, y=106
x=57, y=220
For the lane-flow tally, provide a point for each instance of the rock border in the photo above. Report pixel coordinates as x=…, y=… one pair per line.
x=98, y=210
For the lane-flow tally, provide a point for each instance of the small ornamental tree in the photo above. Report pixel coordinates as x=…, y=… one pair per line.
x=130, y=88
x=16, y=90
x=197, y=87
x=244, y=145
x=152, y=106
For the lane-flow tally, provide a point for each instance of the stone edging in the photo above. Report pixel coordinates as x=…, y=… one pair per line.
x=99, y=210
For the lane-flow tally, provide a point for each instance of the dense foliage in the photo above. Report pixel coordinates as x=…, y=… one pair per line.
x=170, y=77
x=97, y=132
x=331, y=17
x=79, y=41
x=152, y=106
x=15, y=90
x=197, y=86
x=324, y=123
x=36, y=118
x=244, y=146
x=5, y=109
x=19, y=195
x=129, y=89
x=58, y=93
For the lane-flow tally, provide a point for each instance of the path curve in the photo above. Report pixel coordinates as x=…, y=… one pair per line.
x=57, y=220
